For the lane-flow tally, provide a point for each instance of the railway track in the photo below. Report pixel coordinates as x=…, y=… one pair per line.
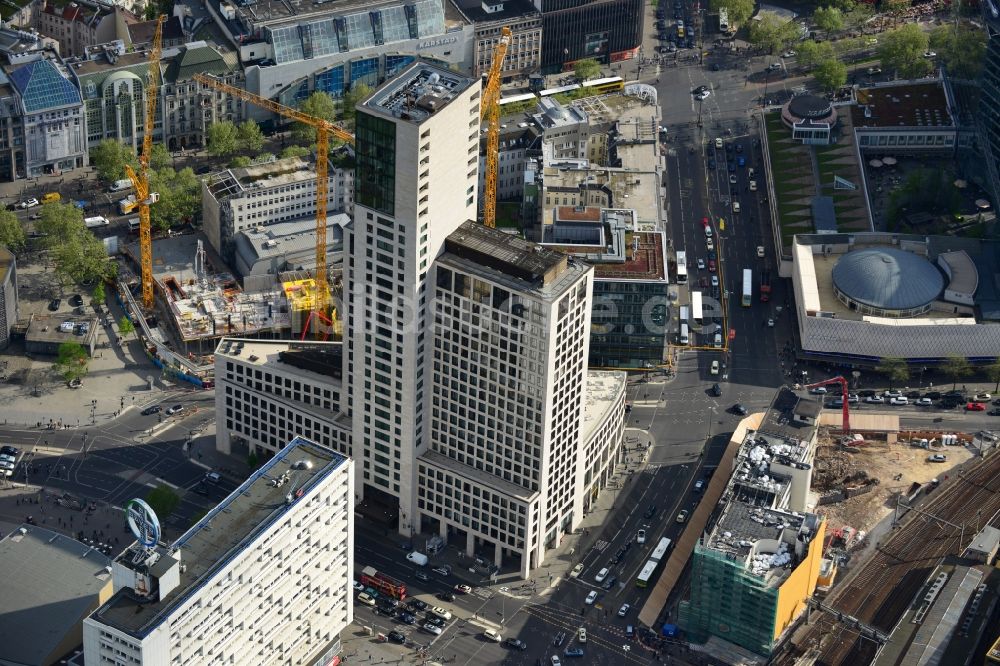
x=881, y=591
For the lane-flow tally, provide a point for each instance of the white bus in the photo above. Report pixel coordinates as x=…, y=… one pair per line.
x=646, y=574
x=696, y=313
x=723, y=21
x=660, y=551
x=682, y=269
x=747, y=287
x=514, y=99
x=685, y=336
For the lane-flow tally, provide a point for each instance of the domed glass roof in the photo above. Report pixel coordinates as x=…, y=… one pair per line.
x=887, y=278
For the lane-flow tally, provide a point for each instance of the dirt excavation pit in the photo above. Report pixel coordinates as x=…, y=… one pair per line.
x=874, y=473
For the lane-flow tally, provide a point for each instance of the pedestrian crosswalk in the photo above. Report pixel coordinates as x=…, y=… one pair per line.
x=601, y=545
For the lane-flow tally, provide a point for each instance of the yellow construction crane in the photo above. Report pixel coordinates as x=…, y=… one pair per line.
x=490, y=112
x=324, y=129
x=141, y=181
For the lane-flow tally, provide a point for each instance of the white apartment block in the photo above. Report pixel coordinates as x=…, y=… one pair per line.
x=417, y=167
x=268, y=392
x=510, y=344
x=255, y=196
x=264, y=578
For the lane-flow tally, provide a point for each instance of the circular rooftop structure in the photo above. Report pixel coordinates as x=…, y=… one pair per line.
x=809, y=109
x=887, y=282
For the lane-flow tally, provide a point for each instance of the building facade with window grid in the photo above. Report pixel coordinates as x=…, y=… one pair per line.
x=606, y=30
x=417, y=155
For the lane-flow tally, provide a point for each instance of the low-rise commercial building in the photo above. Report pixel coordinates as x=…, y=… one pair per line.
x=524, y=54
x=264, y=578
x=263, y=253
x=758, y=560
x=904, y=119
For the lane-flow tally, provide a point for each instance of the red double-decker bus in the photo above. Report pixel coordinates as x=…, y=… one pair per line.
x=382, y=583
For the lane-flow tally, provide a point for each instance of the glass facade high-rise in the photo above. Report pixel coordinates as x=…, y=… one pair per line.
x=607, y=30
x=989, y=100
x=376, y=163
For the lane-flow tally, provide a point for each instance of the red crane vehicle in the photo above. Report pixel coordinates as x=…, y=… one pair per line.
x=843, y=398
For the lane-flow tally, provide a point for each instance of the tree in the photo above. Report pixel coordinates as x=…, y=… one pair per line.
x=71, y=361
x=249, y=137
x=125, y=326
x=252, y=460
x=772, y=33
x=295, y=151
x=83, y=257
x=586, y=69
x=59, y=223
x=895, y=369
x=993, y=372
x=903, y=50
x=956, y=367
x=739, y=11
x=857, y=14
x=222, y=138
x=318, y=105
x=829, y=19
x=98, y=293
x=180, y=197
x=162, y=500
x=830, y=74
x=110, y=157
x=240, y=161
x=960, y=48
x=11, y=234
x=160, y=157
x=809, y=53
x=358, y=92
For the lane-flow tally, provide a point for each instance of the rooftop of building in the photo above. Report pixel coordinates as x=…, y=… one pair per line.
x=606, y=239
x=473, y=10
x=52, y=583
x=624, y=188
x=602, y=392
x=509, y=254
x=279, y=240
x=552, y=115
x=142, y=32
x=109, y=60
x=418, y=92
x=53, y=328
x=183, y=62
x=228, y=529
x=907, y=105
x=307, y=357
x=210, y=305
x=986, y=541
x=258, y=178
x=44, y=84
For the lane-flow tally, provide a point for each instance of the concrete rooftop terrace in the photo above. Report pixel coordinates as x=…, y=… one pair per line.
x=918, y=105
x=228, y=529
x=417, y=93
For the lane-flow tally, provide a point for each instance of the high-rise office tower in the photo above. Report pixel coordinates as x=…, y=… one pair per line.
x=416, y=176
x=989, y=101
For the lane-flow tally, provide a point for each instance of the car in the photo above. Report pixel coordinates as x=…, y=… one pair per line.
x=623, y=611
x=750, y=173
x=818, y=390
x=739, y=409
x=650, y=511
x=573, y=652
x=640, y=536
x=699, y=89
x=554, y=660
x=739, y=148
x=591, y=598
x=732, y=177
x=923, y=402
x=577, y=570
x=937, y=457
x=442, y=613
x=852, y=398
x=417, y=604
x=874, y=70
x=601, y=575
x=711, y=265
x=770, y=322
x=715, y=67
x=899, y=400
x=516, y=644
x=714, y=369
x=683, y=516
x=76, y=300
x=994, y=412
x=874, y=400
x=581, y=634
x=366, y=599
x=435, y=620
x=716, y=390
x=28, y=203
x=699, y=485
x=492, y=635
x=8, y=450
x=982, y=397
x=975, y=407
x=445, y=596
x=703, y=95
x=773, y=66
x=152, y=409
x=386, y=606
x=930, y=54
x=715, y=280
x=431, y=628
x=358, y=586
x=718, y=143
x=54, y=304
x=709, y=244
x=396, y=637
x=893, y=393
x=706, y=226
x=703, y=282
x=753, y=185
x=610, y=582
x=788, y=54
x=741, y=161
x=174, y=409
x=461, y=588
x=407, y=618
x=701, y=264
x=444, y=571
x=422, y=575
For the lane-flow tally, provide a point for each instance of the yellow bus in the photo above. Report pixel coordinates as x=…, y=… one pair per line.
x=611, y=84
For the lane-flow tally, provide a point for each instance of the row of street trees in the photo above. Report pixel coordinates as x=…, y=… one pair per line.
x=955, y=368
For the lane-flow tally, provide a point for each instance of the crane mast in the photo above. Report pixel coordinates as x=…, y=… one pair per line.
x=324, y=129
x=490, y=112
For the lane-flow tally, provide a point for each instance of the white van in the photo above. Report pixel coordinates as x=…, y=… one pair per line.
x=718, y=341
x=133, y=225
x=684, y=334
x=93, y=222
